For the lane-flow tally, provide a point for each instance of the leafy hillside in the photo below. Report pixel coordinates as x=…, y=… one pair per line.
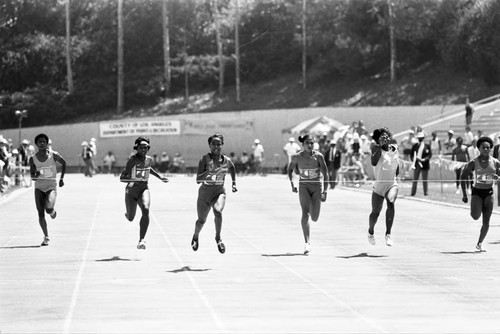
x=427, y=85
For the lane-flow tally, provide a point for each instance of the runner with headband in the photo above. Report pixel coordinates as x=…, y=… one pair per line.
x=136, y=175
x=486, y=170
x=212, y=170
x=385, y=162
x=43, y=171
x=310, y=165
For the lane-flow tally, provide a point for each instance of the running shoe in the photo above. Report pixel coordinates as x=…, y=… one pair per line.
x=141, y=244
x=307, y=248
x=479, y=248
x=388, y=240
x=221, y=247
x=53, y=214
x=457, y=192
x=371, y=238
x=45, y=241
x=194, y=244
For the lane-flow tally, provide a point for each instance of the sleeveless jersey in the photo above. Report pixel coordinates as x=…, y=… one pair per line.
x=216, y=174
x=139, y=174
x=484, y=177
x=310, y=174
x=48, y=173
x=385, y=170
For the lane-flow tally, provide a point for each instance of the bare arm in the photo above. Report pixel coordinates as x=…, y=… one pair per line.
x=60, y=159
x=465, y=173
x=376, y=154
x=125, y=175
x=291, y=168
x=202, y=173
x=232, y=172
x=324, y=171
x=153, y=172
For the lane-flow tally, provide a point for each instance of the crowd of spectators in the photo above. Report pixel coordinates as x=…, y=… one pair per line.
x=13, y=162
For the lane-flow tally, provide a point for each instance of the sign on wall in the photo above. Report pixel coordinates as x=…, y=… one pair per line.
x=139, y=128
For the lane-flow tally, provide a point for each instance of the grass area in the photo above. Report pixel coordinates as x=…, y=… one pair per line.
x=430, y=84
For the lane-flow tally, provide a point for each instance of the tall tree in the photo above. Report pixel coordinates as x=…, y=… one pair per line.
x=69, y=71
x=392, y=41
x=120, y=102
x=167, y=80
x=219, y=47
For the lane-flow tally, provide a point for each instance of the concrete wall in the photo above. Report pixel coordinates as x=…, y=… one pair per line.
x=239, y=129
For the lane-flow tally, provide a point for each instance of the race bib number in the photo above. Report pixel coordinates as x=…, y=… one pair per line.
x=46, y=172
x=486, y=178
x=308, y=174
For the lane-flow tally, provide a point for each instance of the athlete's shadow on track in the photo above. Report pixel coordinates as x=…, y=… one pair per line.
x=114, y=258
x=361, y=255
x=185, y=268
x=15, y=247
x=284, y=254
x=461, y=252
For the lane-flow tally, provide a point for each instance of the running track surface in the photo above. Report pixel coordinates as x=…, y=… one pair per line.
x=92, y=279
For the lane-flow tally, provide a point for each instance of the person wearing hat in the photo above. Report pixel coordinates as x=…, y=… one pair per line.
x=450, y=143
x=290, y=149
x=421, y=153
x=136, y=176
x=44, y=172
x=258, y=156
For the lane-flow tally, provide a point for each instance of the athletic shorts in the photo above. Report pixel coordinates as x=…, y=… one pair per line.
x=312, y=190
x=210, y=194
x=135, y=192
x=381, y=188
x=483, y=193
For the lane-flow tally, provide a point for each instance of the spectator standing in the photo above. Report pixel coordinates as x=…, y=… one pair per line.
x=450, y=143
x=109, y=161
x=164, y=162
x=435, y=144
x=421, y=154
x=245, y=162
x=290, y=149
x=87, y=159
x=469, y=111
x=468, y=136
x=333, y=159
x=258, y=156
x=460, y=154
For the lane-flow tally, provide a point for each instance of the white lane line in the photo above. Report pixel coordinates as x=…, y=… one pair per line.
x=200, y=292
x=76, y=290
x=402, y=273
x=317, y=287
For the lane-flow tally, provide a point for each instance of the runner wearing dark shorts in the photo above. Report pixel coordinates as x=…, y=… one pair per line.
x=310, y=165
x=136, y=175
x=486, y=170
x=212, y=170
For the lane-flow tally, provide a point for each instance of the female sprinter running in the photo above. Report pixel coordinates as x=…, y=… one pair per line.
x=486, y=170
x=310, y=165
x=136, y=175
x=385, y=162
x=212, y=170
x=44, y=172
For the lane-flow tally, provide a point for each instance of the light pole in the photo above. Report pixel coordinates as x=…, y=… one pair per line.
x=21, y=114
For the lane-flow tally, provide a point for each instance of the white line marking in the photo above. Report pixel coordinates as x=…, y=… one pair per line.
x=202, y=295
x=76, y=290
x=317, y=287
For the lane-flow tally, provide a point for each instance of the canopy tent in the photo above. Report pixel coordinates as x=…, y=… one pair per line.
x=315, y=125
